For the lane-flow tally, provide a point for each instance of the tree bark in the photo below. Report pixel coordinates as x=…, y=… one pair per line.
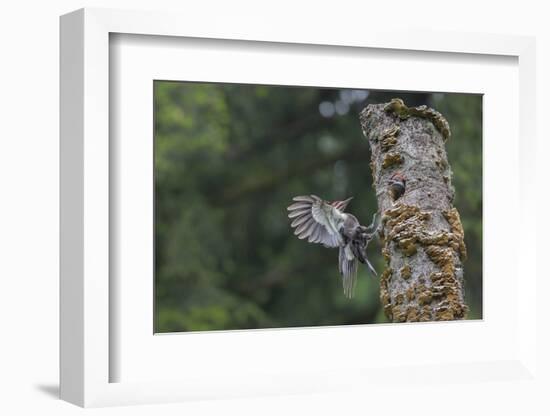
x=421, y=232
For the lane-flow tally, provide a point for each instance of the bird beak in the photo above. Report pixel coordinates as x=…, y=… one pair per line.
x=343, y=204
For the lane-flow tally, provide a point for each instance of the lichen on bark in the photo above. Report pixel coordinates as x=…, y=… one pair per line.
x=421, y=232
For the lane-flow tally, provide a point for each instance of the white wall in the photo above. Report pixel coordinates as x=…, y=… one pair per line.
x=29, y=187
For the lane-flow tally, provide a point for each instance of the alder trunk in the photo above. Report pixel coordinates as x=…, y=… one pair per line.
x=421, y=231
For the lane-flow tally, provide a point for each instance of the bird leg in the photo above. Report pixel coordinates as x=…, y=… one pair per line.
x=374, y=224
x=366, y=234
x=372, y=229
x=359, y=248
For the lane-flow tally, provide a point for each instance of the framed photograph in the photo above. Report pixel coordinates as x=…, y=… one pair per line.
x=228, y=155
x=274, y=212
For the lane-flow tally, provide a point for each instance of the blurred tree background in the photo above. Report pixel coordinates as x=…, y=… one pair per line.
x=228, y=160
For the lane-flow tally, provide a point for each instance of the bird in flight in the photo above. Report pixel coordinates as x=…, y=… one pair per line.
x=327, y=223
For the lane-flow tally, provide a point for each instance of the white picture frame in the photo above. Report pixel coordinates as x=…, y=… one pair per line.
x=87, y=302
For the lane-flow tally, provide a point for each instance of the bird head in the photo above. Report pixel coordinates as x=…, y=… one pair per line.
x=398, y=177
x=397, y=184
x=341, y=205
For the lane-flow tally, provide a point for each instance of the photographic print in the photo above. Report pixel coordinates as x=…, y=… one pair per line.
x=291, y=206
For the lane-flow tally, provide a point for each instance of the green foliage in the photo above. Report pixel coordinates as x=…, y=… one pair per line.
x=228, y=160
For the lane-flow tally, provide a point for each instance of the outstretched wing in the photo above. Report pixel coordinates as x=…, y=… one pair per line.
x=316, y=220
x=347, y=264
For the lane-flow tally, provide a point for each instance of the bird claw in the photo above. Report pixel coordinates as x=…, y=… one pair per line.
x=371, y=230
x=375, y=224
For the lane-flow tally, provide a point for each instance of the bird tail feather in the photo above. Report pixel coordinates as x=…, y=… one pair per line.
x=347, y=264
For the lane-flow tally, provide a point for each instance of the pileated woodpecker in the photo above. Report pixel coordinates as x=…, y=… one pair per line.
x=326, y=223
